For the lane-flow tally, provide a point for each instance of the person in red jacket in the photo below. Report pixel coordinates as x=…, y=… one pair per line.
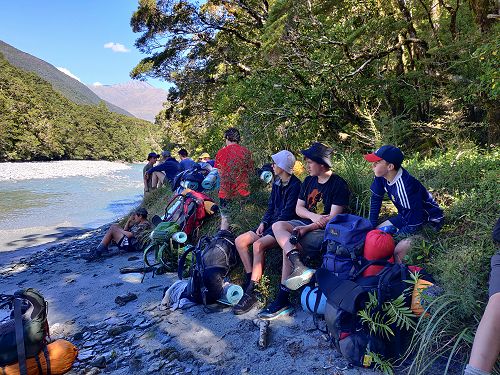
x=235, y=165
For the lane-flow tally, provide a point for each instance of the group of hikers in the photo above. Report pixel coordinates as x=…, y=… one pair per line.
x=297, y=214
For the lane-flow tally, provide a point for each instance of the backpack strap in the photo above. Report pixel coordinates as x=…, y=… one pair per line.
x=342, y=293
x=182, y=261
x=18, y=323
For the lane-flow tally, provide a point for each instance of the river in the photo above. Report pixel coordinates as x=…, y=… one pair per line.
x=41, y=202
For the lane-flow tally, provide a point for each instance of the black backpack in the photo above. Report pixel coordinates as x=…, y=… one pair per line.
x=345, y=298
x=190, y=178
x=27, y=331
x=213, y=258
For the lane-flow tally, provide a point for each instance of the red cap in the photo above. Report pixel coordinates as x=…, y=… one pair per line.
x=372, y=157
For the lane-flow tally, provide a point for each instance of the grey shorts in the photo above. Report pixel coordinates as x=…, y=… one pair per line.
x=312, y=241
x=495, y=274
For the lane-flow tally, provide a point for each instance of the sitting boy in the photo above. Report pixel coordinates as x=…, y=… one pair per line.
x=127, y=238
x=323, y=195
x=281, y=206
x=414, y=203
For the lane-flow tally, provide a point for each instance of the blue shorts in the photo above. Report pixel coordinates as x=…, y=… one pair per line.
x=398, y=222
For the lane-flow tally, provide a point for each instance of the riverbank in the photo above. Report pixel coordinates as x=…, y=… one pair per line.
x=139, y=338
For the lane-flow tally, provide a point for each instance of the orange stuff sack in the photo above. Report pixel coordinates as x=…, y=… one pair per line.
x=378, y=245
x=62, y=354
x=420, y=286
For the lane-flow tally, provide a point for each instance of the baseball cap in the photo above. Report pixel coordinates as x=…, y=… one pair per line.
x=165, y=153
x=153, y=155
x=285, y=160
x=389, y=153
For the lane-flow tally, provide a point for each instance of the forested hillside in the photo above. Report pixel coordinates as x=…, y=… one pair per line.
x=420, y=74
x=38, y=123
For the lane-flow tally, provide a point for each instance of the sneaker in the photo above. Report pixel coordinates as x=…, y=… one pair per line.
x=246, y=303
x=299, y=277
x=275, y=310
x=91, y=256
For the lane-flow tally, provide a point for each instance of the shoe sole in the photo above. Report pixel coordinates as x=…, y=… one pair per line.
x=272, y=317
x=296, y=282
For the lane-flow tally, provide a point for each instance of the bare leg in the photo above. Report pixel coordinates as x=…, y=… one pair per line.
x=282, y=231
x=242, y=242
x=114, y=233
x=486, y=345
x=401, y=250
x=259, y=248
x=157, y=179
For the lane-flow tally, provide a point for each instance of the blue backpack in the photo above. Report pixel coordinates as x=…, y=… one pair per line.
x=343, y=244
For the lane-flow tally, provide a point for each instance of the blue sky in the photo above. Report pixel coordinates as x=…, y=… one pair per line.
x=91, y=39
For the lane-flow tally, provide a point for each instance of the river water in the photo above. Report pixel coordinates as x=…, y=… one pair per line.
x=45, y=201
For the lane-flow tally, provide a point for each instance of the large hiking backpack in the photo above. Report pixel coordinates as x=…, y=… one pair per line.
x=345, y=298
x=190, y=178
x=213, y=258
x=25, y=334
x=187, y=209
x=343, y=244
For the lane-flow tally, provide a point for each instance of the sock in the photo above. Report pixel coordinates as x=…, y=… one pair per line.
x=471, y=370
x=283, y=294
x=248, y=278
x=250, y=287
x=294, y=257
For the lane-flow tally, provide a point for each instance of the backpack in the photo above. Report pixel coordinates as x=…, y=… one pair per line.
x=187, y=209
x=27, y=331
x=345, y=298
x=343, y=244
x=190, y=179
x=213, y=258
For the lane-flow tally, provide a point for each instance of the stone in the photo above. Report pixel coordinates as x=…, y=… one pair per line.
x=118, y=330
x=99, y=362
x=85, y=354
x=138, y=321
x=155, y=366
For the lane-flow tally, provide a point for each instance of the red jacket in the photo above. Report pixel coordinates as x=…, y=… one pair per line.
x=235, y=165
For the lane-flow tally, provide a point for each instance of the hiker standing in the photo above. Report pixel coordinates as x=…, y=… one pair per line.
x=235, y=164
x=147, y=178
x=416, y=206
x=323, y=195
x=281, y=206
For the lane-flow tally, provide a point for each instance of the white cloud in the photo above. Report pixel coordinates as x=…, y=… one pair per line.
x=67, y=72
x=97, y=84
x=116, y=47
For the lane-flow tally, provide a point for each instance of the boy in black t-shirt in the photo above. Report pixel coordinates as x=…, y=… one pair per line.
x=322, y=196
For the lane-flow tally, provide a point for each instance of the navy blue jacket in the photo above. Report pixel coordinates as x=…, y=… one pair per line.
x=282, y=202
x=414, y=203
x=170, y=166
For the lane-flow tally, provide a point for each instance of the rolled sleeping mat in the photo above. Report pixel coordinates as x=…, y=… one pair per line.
x=266, y=176
x=210, y=181
x=308, y=300
x=231, y=294
x=179, y=237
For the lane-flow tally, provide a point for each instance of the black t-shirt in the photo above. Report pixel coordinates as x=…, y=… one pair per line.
x=320, y=197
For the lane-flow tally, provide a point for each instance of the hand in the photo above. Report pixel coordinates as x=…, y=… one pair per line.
x=260, y=230
x=323, y=221
x=301, y=230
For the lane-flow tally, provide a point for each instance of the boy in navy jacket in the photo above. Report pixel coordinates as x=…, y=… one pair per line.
x=414, y=203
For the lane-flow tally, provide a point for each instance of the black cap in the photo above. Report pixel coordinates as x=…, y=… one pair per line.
x=141, y=211
x=153, y=155
x=319, y=153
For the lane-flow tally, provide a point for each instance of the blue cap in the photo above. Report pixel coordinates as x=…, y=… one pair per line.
x=389, y=153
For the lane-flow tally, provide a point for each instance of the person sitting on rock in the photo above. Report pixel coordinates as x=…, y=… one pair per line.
x=281, y=206
x=323, y=195
x=126, y=238
x=167, y=169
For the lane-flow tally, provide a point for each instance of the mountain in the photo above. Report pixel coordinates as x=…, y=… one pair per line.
x=139, y=98
x=69, y=87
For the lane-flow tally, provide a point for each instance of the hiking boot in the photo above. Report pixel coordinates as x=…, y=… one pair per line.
x=91, y=256
x=246, y=303
x=300, y=276
x=275, y=310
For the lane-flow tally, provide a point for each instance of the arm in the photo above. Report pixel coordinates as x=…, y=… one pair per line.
x=266, y=219
x=289, y=208
x=378, y=193
x=158, y=168
x=303, y=212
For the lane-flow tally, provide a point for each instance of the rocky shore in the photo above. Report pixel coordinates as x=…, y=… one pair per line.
x=115, y=321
